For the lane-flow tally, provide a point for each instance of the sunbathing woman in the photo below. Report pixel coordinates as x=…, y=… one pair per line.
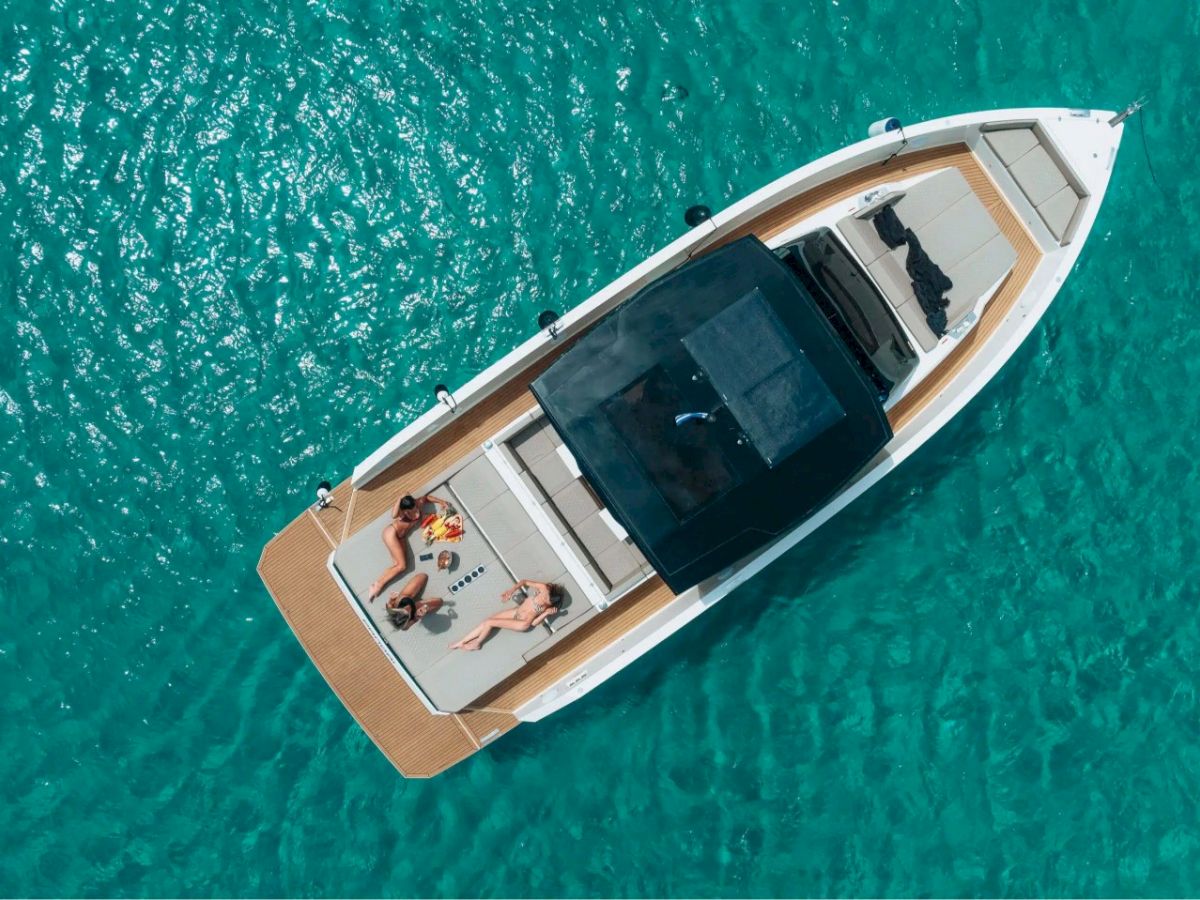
x=406, y=515
x=404, y=610
x=530, y=612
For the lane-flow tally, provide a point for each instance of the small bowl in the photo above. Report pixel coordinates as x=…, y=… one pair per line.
x=445, y=561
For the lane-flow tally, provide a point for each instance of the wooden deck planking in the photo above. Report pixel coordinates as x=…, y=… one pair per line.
x=484, y=726
x=293, y=565
x=418, y=743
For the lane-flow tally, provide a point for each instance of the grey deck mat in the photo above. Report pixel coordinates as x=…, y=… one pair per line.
x=957, y=232
x=565, y=499
x=450, y=678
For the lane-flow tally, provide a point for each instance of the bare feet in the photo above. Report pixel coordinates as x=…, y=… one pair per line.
x=374, y=590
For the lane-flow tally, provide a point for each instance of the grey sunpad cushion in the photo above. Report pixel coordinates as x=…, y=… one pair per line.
x=1038, y=175
x=451, y=679
x=1058, y=211
x=957, y=232
x=1010, y=144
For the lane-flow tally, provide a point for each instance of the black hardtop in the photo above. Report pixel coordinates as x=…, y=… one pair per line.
x=714, y=410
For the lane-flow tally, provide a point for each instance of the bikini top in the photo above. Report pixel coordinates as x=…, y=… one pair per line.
x=408, y=606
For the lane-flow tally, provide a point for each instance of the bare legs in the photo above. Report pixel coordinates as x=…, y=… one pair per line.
x=425, y=607
x=415, y=585
x=419, y=609
x=413, y=589
x=399, y=561
x=474, y=638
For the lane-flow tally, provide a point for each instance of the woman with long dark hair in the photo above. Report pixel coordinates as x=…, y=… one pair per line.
x=404, y=609
x=406, y=515
x=531, y=611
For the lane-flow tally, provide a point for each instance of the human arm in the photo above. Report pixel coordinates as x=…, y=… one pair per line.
x=542, y=616
x=438, y=501
x=508, y=595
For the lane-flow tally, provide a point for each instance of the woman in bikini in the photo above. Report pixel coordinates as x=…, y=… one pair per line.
x=406, y=515
x=530, y=612
x=404, y=610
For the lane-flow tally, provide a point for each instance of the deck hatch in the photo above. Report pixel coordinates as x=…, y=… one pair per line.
x=776, y=395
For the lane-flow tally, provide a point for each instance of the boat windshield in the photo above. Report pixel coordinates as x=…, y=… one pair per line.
x=856, y=309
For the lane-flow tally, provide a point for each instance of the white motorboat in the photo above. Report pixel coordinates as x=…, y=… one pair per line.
x=793, y=348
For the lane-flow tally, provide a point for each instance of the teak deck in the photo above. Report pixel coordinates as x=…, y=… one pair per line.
x=420, y=744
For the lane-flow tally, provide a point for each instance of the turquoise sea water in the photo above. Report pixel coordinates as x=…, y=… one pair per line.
x=242, y=239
